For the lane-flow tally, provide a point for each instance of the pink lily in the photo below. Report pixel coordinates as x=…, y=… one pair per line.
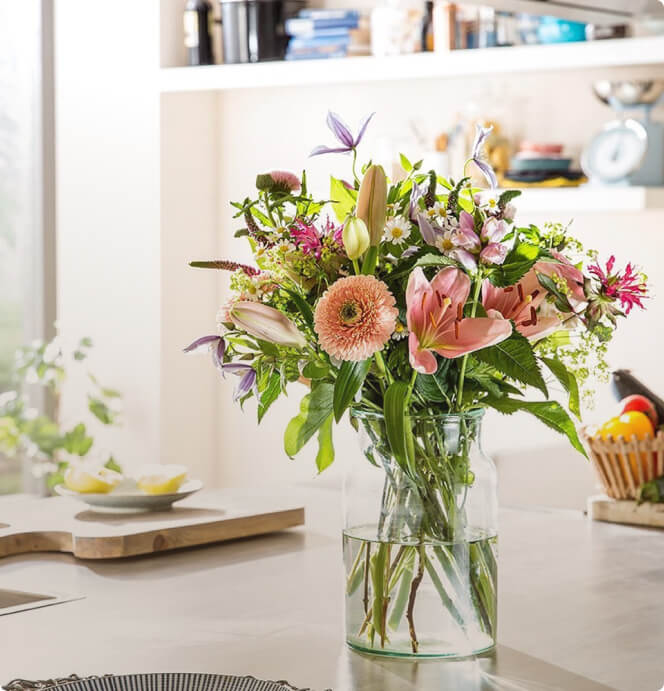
x=520, y=304
x=568, y=272
x=436, y=322
x=266, y=323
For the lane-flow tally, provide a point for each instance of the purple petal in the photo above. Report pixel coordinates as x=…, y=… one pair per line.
x=413, y=249
x=428, y=232
x=328, y=150
x=415, y=195
x=487, y=171
x=199, y=343
x=494, y=230
x=218, y=354
x=340, y=129
x=237, y=368
x=466, y=239
x=481, y=133
x=464, y=258
x=363, y=127
x=245, y=385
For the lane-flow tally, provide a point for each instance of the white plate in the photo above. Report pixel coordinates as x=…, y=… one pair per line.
x=127, y=501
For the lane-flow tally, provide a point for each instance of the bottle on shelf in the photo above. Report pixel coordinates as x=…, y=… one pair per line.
x=198, y=21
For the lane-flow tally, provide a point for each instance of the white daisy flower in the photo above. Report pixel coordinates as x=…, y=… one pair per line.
x=489, y=201
x=439, y=212
x=445, y=242
x=400, y=331
x=397, y=230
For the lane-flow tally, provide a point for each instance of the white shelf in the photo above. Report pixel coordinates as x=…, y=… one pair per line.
x=621, y=52
x=590, y=199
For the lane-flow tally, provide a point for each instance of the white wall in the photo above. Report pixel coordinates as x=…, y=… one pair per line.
x=107, y=134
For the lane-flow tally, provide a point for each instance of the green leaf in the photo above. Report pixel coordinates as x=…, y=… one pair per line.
x=516, y=265
x=269, y=395
x=100, y=410
x=76, y=441
x=424, y=261
x=348, y=383
x=344, y=200
x=568, y=381
x=314, y=410
x=325, y=455
x=112, y=464
x=405, y=163
x=315, y=370
x=514, y=357
x=506, y=197
x=302, y=305
x=399, y=432
x=561, y=301
x=551, y=413
x=370, y=261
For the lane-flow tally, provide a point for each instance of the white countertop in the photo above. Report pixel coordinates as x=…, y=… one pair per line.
x=581, y=609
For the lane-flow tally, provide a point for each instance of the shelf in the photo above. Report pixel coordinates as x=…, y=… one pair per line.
x=590, y=199
x=522, y=59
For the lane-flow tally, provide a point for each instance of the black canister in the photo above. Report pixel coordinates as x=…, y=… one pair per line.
x=253, y=30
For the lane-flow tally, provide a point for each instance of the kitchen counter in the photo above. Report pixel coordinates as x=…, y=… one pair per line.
x=580, y=609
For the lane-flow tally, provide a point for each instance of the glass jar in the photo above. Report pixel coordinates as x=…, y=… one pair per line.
x=420, y=539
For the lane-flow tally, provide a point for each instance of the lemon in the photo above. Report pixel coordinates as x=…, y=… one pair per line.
x=100, y=481
x=161, y=479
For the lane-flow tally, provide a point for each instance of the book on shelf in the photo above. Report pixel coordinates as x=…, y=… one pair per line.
x=302, y=25
x=318, y=41
x=323, y=52
x=329, y=14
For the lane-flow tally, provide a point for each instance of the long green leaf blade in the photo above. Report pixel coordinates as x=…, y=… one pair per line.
x=397, y=426
x=325, y=455
x=551, y=413
x=568, y=381
x=315, y=408
x=348, y=383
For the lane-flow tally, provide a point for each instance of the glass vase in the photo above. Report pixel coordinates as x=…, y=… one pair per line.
x=420, y=539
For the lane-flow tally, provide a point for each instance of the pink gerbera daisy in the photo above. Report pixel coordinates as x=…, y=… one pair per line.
x=355, y=317
x=285, y=180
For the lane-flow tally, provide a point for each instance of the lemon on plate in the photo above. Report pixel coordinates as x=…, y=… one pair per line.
x=161, y=479
x=91, y=481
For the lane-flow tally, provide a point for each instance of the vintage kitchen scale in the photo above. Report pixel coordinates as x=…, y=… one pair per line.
x=627, y=150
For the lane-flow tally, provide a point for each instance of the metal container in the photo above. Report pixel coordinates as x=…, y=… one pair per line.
x=253, y=30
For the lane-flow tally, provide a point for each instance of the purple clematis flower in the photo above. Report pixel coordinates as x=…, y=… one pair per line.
x=217, y=346
x=481, y=133
x=343, y=135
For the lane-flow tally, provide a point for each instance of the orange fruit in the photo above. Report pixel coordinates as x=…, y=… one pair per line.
x=629, y=425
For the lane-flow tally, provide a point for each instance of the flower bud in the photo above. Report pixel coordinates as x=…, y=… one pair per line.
x=356, y=238
x=372, y=203
x=266, y=323
x=493, y=253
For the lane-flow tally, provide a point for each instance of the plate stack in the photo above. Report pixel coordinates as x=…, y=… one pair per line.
x=542, y=165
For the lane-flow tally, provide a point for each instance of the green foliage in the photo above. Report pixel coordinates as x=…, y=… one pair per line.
x=399, y=431
x=518, y=262
x=325, y=455
x=76, y=441
x=514, y=357
x=551, y=413
x=269, y=392
x=344, y=200
x=349, y=381
x=315, y=408
x=568, y=381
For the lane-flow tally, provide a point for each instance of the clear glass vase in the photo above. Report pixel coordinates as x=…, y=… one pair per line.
x=420, y=540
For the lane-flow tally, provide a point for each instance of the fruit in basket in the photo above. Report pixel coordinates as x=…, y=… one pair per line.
x=91, y=481
x=161, y=479
x=624, y=383
x=641, y=404
x=629, y=425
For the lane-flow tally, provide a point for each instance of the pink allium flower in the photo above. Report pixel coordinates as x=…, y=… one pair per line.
x=355, y=317
x=520, y=303
x=628, y=288
x=285, y=180
x=436, y=321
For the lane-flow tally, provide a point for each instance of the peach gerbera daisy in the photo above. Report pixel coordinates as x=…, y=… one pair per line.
x=355, y=317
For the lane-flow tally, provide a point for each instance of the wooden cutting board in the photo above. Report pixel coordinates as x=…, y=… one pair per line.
x=626, y=511
x=60, y=524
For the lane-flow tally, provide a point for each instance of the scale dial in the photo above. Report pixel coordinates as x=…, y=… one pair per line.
x=616, y=152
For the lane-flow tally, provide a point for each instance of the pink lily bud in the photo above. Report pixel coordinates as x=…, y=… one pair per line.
x=493, y=253
x=266, y=323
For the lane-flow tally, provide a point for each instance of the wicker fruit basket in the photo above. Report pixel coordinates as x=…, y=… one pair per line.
x=624, y=465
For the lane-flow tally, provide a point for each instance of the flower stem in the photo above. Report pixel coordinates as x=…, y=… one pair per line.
x=464, y=361
x=354, y=161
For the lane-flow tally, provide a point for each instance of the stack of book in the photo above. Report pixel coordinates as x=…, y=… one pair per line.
x=542, y=164
x=327, y=34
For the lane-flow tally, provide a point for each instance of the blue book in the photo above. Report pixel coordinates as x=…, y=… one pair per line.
x=315, y=56
x=297, y=25
x=317, y=42
x=329, y=14
x=331, y=33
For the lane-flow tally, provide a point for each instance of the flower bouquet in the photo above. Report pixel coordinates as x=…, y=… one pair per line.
x=414, y=305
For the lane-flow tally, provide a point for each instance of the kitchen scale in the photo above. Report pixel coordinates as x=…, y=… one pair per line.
x=627, y=151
